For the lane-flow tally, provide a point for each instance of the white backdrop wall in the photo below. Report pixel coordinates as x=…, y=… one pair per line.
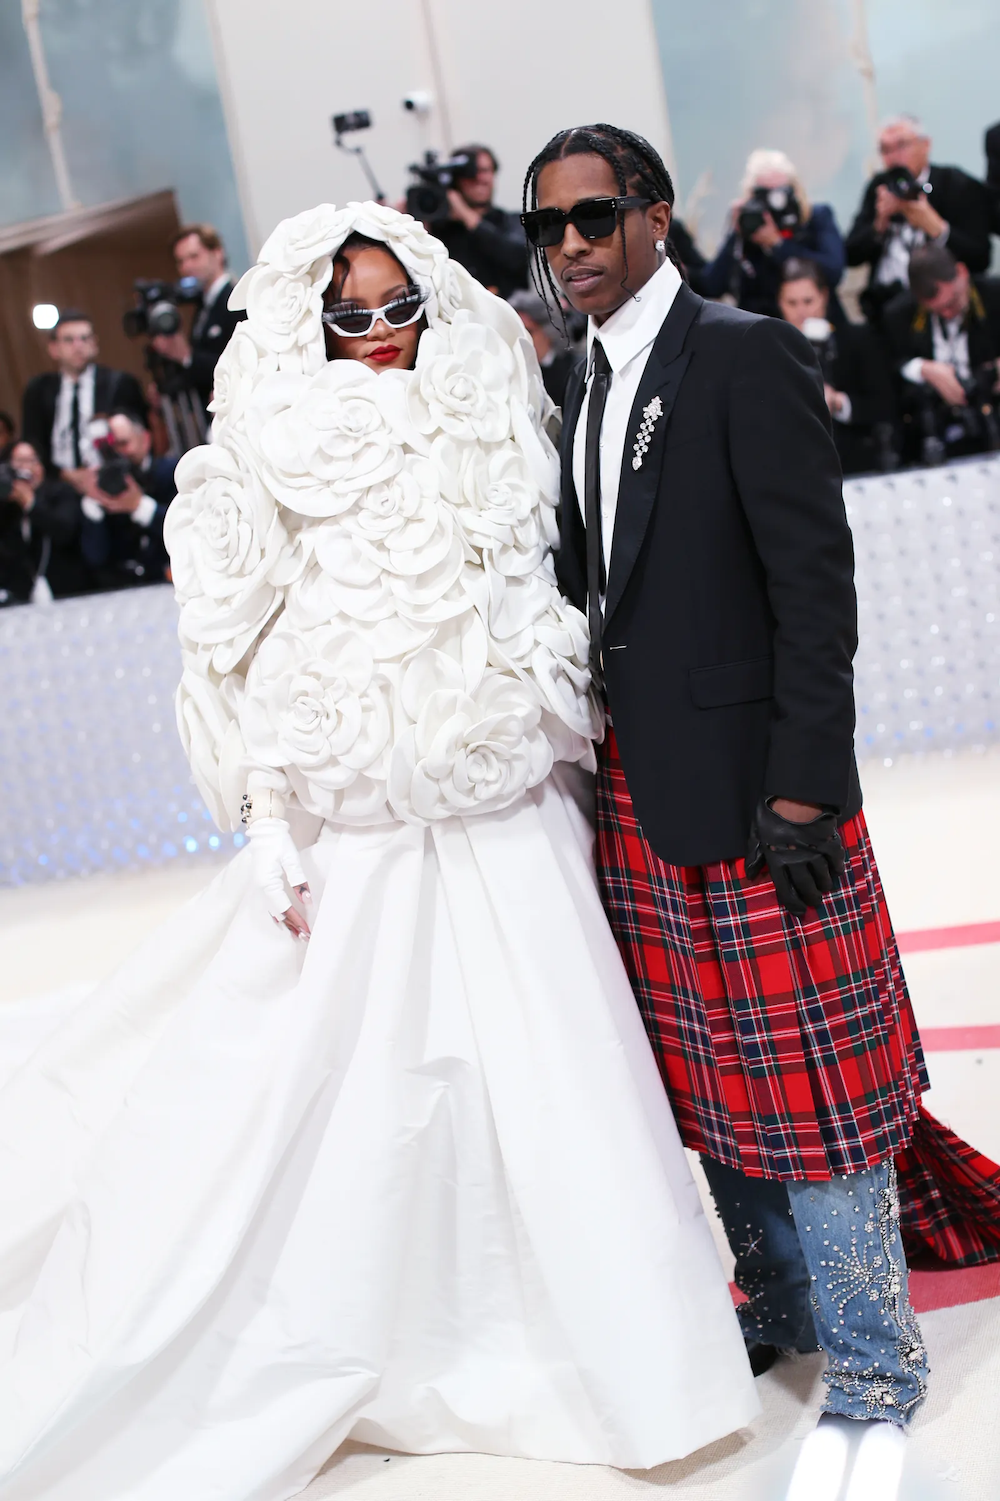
x=509, y=75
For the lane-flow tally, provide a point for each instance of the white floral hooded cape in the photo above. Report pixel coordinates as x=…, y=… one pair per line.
x=369, y=615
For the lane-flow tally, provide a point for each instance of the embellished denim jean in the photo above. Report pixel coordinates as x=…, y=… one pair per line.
x=822, y=1266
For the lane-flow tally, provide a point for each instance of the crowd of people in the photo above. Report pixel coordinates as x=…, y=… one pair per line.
x=86, y=474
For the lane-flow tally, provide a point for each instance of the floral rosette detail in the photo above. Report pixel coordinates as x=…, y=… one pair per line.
x=368, y=603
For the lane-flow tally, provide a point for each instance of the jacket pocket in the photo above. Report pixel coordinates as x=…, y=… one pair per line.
x=732, y=683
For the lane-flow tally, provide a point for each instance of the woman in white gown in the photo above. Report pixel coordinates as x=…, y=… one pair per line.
x=414, y=1181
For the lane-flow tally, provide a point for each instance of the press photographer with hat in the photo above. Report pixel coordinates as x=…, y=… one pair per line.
x=772, y=221
x=912, y=203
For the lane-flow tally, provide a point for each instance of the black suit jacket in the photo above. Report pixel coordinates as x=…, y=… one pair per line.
x=991, y=143
x=50, y=544
x=730, y=618
x=962, y=201
x=211, y=331
x=112, y=388
x=495, y=252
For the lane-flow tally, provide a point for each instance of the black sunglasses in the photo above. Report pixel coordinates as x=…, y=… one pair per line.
x=594, y=218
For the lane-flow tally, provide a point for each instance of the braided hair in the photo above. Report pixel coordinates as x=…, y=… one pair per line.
x=638, y=169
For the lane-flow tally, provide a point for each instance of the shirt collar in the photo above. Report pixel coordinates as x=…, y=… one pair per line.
x=639, y=319
x=214, y=290
x=87, y=373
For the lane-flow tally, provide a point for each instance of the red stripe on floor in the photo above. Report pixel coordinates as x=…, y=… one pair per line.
x=947, y=1288
x=949, y=938
x=957, y=1039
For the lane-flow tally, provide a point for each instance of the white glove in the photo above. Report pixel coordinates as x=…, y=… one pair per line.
x=275, y=859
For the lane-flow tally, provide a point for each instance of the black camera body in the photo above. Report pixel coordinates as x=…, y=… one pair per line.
x=114, y=469
x=781, y=203
x=8, y=478
x=427, y=198
x=157, y=307
x=901, y=183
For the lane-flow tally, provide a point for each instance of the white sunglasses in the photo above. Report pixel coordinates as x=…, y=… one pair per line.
x=354, y=322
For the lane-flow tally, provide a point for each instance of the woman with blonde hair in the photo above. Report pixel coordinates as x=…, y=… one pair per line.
x=771, y=222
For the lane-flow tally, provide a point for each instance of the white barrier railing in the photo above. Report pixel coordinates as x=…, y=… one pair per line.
x=92, y=776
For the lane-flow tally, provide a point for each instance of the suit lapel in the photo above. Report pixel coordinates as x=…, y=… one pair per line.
x=637, y=487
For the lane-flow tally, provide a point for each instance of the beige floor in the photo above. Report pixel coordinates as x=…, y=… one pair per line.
x=935, y=823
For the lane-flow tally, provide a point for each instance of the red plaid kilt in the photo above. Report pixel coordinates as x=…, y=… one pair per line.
x=788, y=1046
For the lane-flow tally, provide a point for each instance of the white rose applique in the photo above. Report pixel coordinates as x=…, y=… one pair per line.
x=299, y=242
x=324, y=439
x=316, y=706
x=461, y=382
x=284, y=310
x=229, y=554
x=499, y=510
x=466, y=752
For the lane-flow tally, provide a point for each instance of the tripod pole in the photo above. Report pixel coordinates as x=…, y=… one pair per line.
x=359, y=152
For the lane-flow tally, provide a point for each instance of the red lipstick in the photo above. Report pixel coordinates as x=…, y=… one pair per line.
x=384, y=354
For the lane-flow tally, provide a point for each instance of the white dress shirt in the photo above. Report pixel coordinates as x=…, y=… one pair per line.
x=62, y=428
x=627, y=337
x=951, y=347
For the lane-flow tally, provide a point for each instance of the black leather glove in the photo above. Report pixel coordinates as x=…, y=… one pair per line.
x=805, y=860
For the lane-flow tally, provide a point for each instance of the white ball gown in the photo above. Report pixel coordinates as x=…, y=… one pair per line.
x=417, y=1182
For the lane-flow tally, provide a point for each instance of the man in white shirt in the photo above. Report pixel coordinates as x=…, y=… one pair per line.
x=60, y=406
x=201, y=255
x=945, y=339
x=703, y=532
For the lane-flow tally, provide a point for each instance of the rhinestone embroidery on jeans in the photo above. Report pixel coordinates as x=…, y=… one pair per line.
x=870, y=1270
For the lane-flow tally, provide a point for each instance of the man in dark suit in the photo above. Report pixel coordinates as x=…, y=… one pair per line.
x=944, y=337
x=122, y=534
x=951, y=209
x=487, y=240
x=59, y=407
x=200, y=253
x=856, y=380
x=704, y=533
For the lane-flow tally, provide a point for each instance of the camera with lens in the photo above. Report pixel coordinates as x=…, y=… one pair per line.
x=427, y=197
x=901, y=183
x=113, y=468
x=780, y=203
x=157, y=307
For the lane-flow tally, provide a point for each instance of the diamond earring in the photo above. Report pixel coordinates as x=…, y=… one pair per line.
x=661, y=247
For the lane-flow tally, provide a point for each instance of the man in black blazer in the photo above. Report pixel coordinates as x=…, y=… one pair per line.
x=122, y=534
x=59, y=407
x=704, y=534
x=944, y=338
x=952, y=209
x=200, y=254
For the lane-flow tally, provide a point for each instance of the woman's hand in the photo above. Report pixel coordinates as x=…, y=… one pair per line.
x=275, y=861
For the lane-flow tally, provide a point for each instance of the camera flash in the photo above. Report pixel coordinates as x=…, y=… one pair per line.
x=45, y=315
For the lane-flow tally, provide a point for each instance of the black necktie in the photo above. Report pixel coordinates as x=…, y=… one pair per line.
x=600, y=380
x=74, y=426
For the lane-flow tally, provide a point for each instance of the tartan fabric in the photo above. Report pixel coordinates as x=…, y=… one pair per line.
x=788, y=1047
x=949, y=1198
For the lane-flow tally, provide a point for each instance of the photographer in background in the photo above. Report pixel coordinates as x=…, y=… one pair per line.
x=39, y=532
x=912, y=203
x=200, y=253
x=59, y=406
x=122, y=534
x=944, y=335
x=488, y=241
x=856, y=380
x=772, y=222
x=556, y=355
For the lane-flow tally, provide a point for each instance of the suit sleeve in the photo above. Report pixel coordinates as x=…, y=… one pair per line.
x=33, y=420
x=788, y=476
x=129, y=394
x=863, y=245
x=504, y=244
x=57, y=513
x=968, y=214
